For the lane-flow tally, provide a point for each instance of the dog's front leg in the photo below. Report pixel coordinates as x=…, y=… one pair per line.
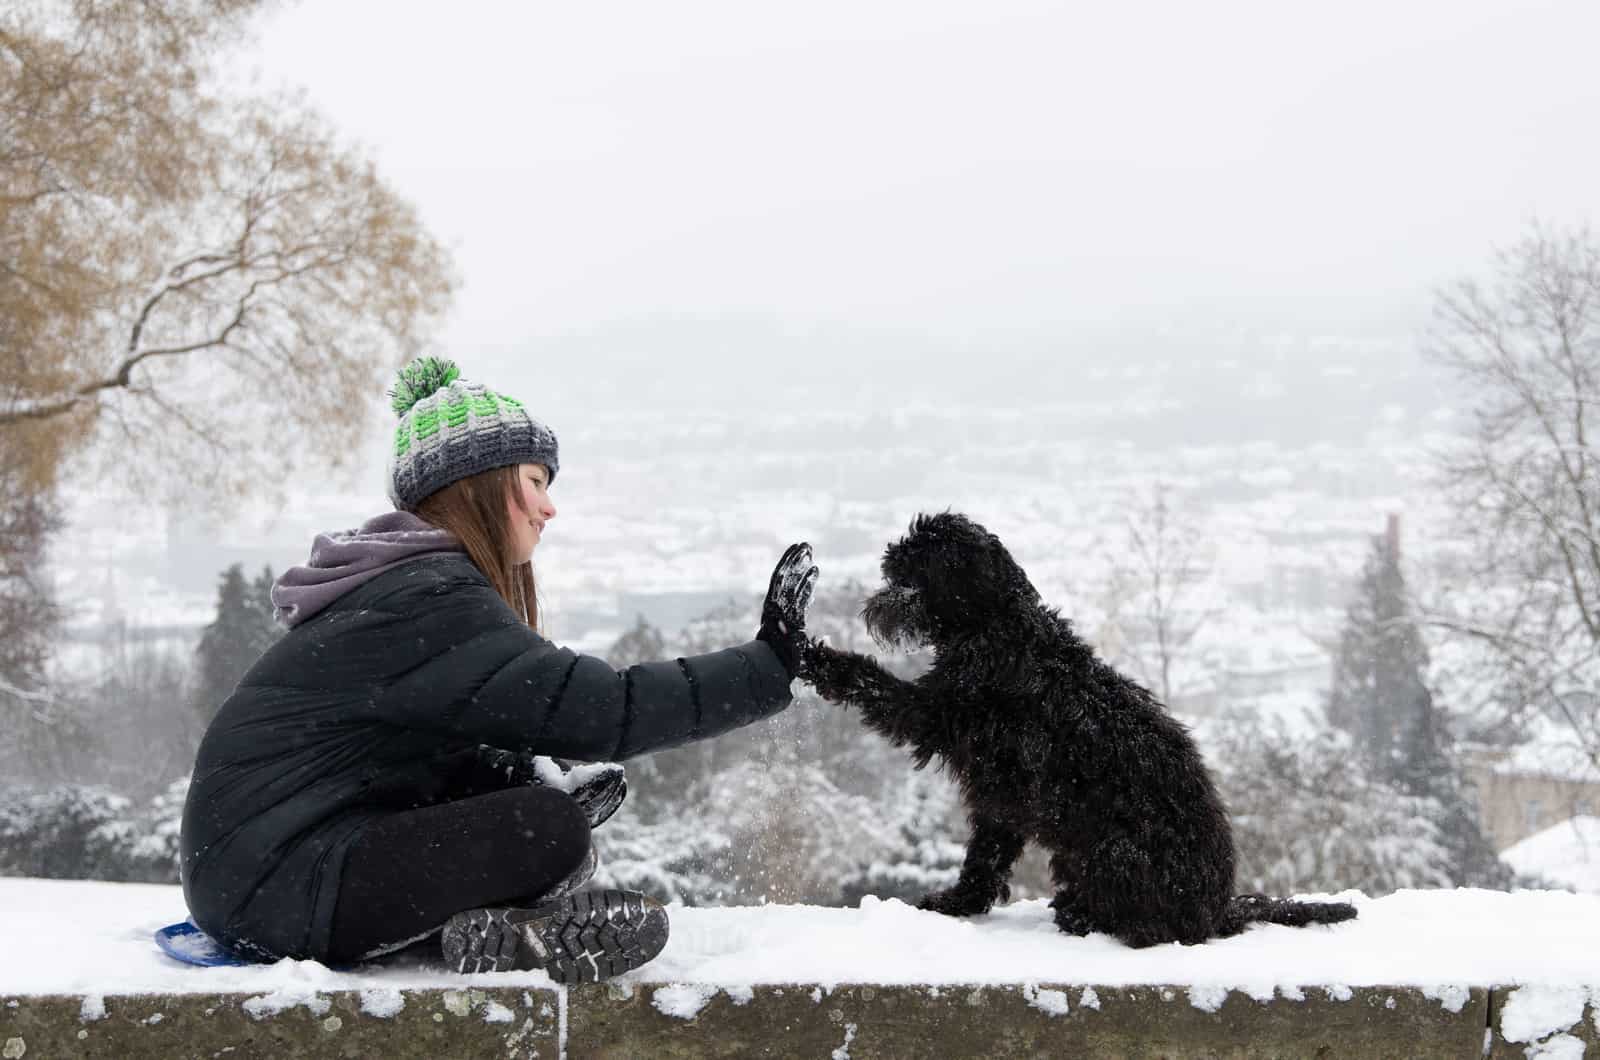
x=991, y=852
x=896, y=709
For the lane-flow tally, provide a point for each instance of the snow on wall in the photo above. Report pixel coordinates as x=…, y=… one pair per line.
x=1441, y=940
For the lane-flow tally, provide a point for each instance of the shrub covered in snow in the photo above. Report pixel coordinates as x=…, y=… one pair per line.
x=88, y=832
x=924, y=808
x=795, y=833
x=1307, y=818
x=665, y=858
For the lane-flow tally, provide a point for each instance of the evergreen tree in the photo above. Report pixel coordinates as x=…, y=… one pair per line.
x=1401, y=737
x=234, y=640
x=1379, y=696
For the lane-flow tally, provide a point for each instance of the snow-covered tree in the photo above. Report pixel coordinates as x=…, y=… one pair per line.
x=1153, y=597
x=1305, y=820
x=795, y=835
x=90, y=832
x=1525, y=482
x=1380, y=697
x=1379, y=693
x=140, y=700
x=666, y=858
x=197, y=288
x=923, y=806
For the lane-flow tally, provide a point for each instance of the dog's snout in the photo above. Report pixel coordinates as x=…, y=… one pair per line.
x=893, y=617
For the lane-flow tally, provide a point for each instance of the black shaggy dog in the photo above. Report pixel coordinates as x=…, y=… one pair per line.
x=1048, y=744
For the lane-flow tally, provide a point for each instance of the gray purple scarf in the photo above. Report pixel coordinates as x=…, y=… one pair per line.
x=344, y=559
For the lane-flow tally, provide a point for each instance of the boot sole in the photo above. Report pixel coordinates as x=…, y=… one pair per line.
x=583, y=938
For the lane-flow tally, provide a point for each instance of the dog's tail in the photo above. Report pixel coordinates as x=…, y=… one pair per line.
x=1252, y=908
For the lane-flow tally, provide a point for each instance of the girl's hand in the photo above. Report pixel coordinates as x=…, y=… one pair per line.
x=598, y=787
x=601, y=794
x=783, y=614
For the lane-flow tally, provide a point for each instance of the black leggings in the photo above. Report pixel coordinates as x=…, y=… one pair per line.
x=411, y=871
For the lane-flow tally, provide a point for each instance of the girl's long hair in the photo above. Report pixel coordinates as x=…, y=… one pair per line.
x=474, y=509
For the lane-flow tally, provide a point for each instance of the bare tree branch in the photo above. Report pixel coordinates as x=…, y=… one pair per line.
x=159, y=238
x=1525, y=486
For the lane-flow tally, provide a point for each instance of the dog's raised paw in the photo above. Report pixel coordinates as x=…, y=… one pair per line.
x=831, y=673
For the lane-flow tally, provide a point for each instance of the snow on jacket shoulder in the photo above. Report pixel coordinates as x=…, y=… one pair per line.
x=371, y=707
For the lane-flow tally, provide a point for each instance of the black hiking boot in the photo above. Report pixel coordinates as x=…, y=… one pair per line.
x=574, y=879
x=582, y=938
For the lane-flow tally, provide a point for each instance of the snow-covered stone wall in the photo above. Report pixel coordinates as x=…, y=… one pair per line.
x=1418, y=973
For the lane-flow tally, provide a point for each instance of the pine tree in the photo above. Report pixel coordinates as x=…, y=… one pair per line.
x=1400, y=735
x=235, y=639
x=1379, y=696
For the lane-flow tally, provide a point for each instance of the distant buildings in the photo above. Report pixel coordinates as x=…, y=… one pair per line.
x=1526, y=789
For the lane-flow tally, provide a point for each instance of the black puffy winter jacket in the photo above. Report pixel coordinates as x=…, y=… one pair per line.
x=380, y=704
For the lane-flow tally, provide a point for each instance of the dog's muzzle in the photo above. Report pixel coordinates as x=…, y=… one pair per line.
x=894, y=618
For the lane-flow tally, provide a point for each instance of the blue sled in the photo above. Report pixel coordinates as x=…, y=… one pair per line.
x=187, y=943
x=190, y=945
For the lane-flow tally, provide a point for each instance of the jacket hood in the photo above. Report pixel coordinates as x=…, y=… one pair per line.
x=342, y=560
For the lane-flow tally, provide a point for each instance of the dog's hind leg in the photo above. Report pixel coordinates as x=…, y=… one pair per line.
x=991, y=852
x=1115, y=889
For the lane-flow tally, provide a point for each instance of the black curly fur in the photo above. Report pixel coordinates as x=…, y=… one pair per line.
x=1048, y=744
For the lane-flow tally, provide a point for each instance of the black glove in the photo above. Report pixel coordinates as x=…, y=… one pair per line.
x=601, y=793
x=783, y=615
x=598, y=795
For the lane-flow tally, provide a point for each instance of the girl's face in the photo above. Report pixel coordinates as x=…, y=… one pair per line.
x=527, y=520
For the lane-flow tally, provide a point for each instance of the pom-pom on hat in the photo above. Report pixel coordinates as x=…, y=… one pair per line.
x=451, y=428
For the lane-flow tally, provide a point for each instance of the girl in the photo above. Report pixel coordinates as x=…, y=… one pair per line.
x=370, y=779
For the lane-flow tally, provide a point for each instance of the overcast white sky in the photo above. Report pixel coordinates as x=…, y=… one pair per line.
x=956, y=169
x=924, y=182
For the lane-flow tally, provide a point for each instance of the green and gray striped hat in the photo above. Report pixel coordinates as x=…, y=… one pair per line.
x=450, y=428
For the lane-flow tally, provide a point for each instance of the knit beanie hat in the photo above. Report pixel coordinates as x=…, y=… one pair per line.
x=450, y=428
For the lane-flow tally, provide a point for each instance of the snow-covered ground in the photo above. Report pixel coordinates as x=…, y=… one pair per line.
x=94, y=939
